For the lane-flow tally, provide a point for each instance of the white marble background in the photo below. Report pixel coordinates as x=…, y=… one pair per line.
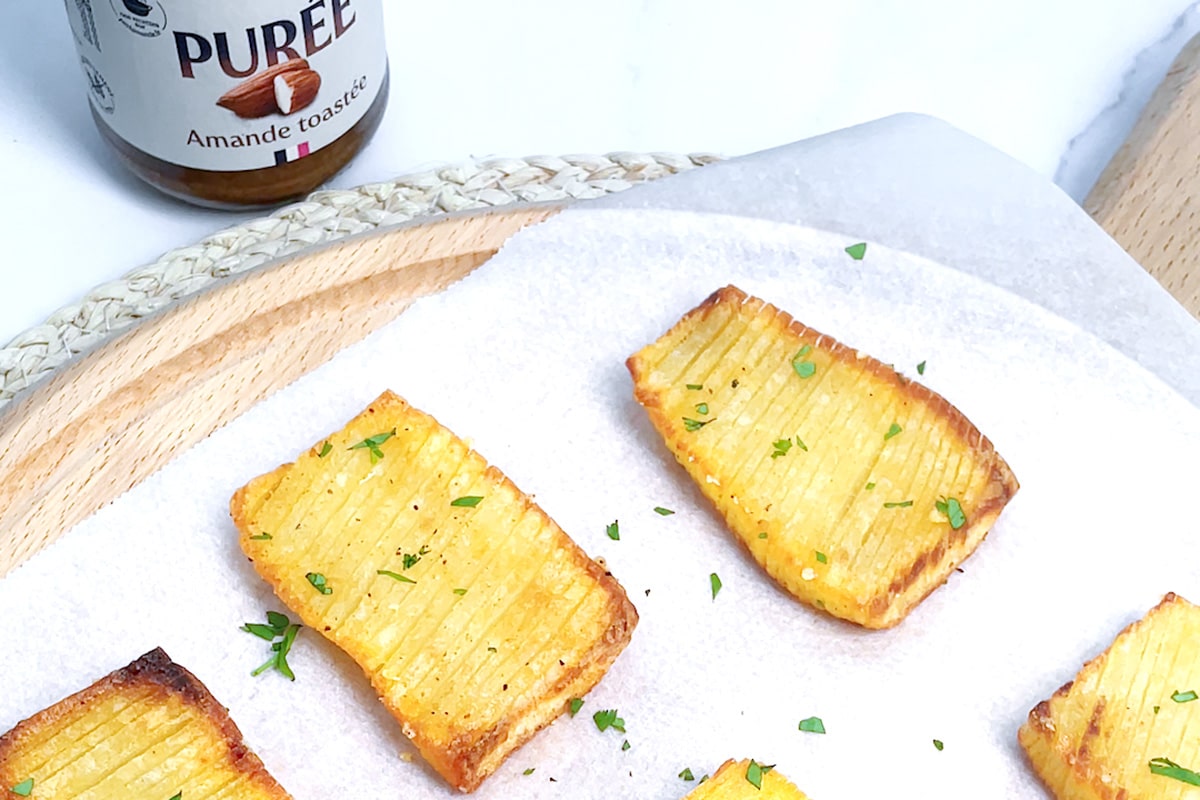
x=1055, y=83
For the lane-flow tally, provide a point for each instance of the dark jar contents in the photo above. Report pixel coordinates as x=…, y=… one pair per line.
x=253, y=188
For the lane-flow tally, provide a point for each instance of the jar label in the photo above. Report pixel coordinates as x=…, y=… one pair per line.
x=226, y=85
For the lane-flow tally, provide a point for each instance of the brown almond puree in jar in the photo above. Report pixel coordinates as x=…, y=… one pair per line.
x=231, y=104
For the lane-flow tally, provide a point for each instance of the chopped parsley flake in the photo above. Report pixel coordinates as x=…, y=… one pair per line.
x=177, y=796
x=762, y=535
x=396, y=576
x=261, y=537
x=821, y=557
x=325, y=448
x=410, y=559
x=715, y=583
x=460, y=592
x=804, y=368
x=529, y=770
x=1168, y=768
x=801, y=444
x=1156, y=709
x=1184, y=697
x=687, y=775
x=953, y=511
x=755, y=773
x=921, y=368
x=701, y=408
x=469, y=501
x=663, y=512
x=894, y=430
x=812, y=725
x=692, y=425
x=24, y=788
x=695, y=387
x=938, y=742
x=614, y=531
x=608, y=719
x=575, y=705
x=781, y=448
x=870, y=486
x=857, y=251
x=278, y=626
x=373, y=443
x=902, y=504
x=319, y=582
x=625, y=745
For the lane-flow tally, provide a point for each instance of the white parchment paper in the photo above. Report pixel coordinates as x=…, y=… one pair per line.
x=526, y=359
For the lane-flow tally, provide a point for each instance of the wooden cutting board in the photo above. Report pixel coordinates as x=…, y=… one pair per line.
x=105, y=422
x=1145, y=197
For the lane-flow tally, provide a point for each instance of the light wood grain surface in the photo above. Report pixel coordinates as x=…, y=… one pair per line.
x=1148, y=197
x=104, y=423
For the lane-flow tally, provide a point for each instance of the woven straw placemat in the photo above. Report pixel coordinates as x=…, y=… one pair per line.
x=323, y=217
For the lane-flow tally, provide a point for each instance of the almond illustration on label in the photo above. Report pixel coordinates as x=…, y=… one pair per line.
x=296, y=90
x=255, y=96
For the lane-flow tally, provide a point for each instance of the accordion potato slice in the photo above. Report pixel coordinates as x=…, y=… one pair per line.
x=855, y=488
x=735, y=780
x=150, y=729
x=473, y=614
x=1128, y=726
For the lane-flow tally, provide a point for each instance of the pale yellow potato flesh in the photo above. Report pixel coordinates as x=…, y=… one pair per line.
x=847, y=518
x=730, y=783
x=496, y=623
x=150, y=729
x=1095, y=737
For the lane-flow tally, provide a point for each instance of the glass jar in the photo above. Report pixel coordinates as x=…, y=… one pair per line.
x=232, y=104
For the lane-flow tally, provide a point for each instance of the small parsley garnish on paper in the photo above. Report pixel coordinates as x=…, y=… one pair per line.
x=608, y=719
x=894, y=430
x=529, y=770
x=687, y=775
x=396, y=576
x=693, y=425
x=755, y=773
x=953, y=510
x=625, y=745
x=1169, y=769
x=715, y=583
x=372, y=443
x=280, y=628
x=663, y=512
x=319, y=582
x=469, y=501
x=613, y=529
x=921, y=368
x=812, y=725
x=24, y=788
x=803, y=367
x=857, y=251
x=939, y=745
x=575, y=704
x=1184, y=697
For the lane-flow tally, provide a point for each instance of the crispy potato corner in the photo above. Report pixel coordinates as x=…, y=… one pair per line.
x=1128, y=725
x=474, y=616
x=150, y=729
x=738, y=780
x=855, y=488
